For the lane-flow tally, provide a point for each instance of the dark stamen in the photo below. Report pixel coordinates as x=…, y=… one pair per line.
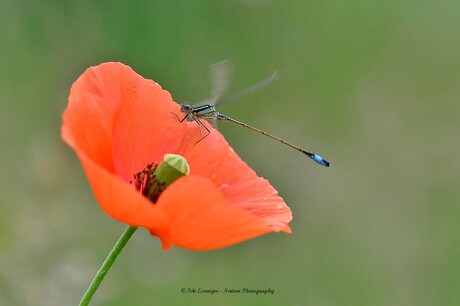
x=147, y=183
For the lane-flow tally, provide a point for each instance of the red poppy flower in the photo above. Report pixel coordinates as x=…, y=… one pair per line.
x=118, y=122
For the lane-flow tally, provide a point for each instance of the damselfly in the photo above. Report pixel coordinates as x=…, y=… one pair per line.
x=207, y=109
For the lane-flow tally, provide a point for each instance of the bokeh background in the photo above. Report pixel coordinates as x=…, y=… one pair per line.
x=371, y=85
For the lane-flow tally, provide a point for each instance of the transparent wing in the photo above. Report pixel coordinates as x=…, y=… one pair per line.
x=221, y=73
x=251, y=89
x=213, y=123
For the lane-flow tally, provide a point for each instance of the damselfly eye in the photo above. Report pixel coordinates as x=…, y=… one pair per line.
x=185, y=108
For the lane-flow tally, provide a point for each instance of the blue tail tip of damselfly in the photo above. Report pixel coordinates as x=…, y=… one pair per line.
x=318, y=159
x=321, y=160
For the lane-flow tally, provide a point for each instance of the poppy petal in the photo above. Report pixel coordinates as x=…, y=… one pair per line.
x=120, y=200
x=88, y=124
x=118, y=119
x=214, y=159
x=200, y=217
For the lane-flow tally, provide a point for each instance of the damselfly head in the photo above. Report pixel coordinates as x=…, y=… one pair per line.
x=186, y=108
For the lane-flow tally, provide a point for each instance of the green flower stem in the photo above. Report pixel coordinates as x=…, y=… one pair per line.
x=108, y=262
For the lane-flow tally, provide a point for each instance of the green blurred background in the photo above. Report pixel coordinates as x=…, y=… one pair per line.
x=371, y=85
